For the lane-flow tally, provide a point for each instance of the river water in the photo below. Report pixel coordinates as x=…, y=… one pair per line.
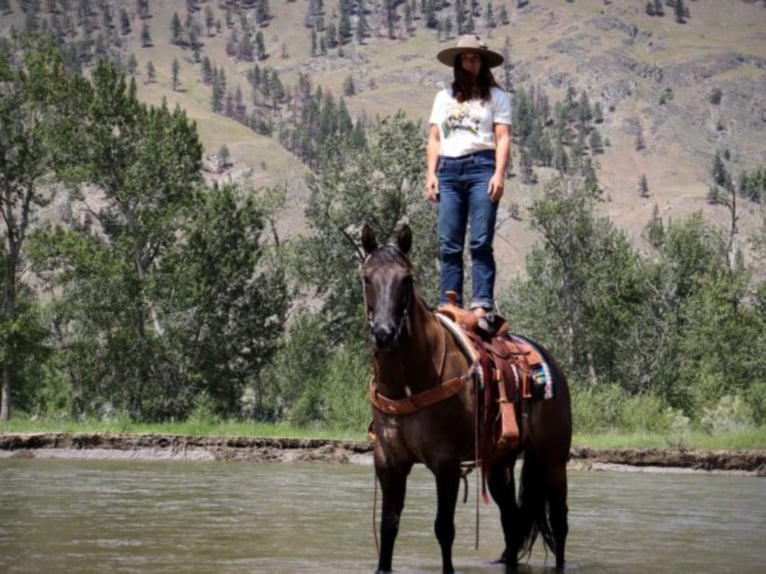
x=210, y=517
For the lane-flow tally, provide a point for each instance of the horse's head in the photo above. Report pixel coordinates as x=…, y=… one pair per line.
x=388, y=286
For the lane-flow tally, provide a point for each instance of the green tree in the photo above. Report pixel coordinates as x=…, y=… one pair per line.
x=225, y=295
x=643, y=186
x=176, y=68
x=146, y=35
x=146, y=162
x=585, y=286
x=176, y=30
x=124, y=22
x=38, y=115
x=378, y=185
x=151, y=73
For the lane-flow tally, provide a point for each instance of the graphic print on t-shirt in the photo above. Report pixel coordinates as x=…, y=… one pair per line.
x=458, y=117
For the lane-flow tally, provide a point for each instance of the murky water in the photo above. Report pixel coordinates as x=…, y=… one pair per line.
x=195, y=517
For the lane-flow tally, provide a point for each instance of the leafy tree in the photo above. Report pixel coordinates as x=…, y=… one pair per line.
x=146, y=162
x=585, y=286
x=752, y=186
x=225, y=296
x=38, y=115
x=378, y=185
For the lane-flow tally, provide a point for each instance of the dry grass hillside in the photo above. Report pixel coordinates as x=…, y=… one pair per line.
x=624, y=59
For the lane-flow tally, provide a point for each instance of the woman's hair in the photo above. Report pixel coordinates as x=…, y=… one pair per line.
x=465, y=88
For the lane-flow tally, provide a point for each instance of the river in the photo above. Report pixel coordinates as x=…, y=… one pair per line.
x=203, y=517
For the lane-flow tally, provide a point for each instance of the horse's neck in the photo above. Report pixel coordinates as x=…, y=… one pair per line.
x=417, y=362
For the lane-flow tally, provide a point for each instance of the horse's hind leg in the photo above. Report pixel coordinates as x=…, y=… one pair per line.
x=502, y=487
x=393, y=485
x=557, y=509
x=447, y=486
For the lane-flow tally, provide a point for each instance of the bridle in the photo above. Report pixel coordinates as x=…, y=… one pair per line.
x=403, y=320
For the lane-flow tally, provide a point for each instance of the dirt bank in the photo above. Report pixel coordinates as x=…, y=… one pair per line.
x=176, y=447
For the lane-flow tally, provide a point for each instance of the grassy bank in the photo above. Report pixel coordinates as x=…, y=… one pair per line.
x=744, y=438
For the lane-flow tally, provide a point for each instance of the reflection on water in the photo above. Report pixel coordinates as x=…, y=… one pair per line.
x=195, y=517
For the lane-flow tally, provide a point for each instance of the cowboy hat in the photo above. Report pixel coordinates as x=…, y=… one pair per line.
x=469, y=43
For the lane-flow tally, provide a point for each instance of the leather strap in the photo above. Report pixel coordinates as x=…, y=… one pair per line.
x=421, y=400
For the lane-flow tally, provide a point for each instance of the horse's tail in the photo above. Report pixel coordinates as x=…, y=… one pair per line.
x=533, y=506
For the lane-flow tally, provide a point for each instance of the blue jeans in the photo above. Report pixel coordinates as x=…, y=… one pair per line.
x=464, y=203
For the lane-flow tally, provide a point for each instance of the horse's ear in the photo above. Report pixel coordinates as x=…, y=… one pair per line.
x=369, y=243
x=404, y=239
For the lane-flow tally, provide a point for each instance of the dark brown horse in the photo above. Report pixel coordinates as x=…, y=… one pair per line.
x=414, y=358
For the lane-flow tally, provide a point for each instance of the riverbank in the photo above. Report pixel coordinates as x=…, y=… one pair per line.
x=179, y=447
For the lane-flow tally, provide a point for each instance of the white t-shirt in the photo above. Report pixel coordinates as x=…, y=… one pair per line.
x=467, y=128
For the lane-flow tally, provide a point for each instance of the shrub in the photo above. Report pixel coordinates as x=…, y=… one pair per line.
x=204, y=410
x=680, y=427
x=644, y=413
x=346, y=388
x=730, y=413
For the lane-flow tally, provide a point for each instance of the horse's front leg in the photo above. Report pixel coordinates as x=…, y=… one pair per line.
x=393, y=485
x=447, y=486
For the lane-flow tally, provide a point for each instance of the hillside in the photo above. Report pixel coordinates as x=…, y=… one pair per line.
x=624, y=59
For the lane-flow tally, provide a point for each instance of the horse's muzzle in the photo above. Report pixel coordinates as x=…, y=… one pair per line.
x=385, y=336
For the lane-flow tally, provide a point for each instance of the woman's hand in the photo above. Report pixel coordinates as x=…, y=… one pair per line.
x=496, y=187
x=432, y=187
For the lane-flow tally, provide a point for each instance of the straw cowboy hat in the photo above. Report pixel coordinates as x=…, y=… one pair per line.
x=469, y=43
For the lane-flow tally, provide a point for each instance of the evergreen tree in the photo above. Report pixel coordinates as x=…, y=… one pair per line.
x=207, y=71
x=643, y=186
x=176, y=30
x=719, y=172
x=595, y=142
x=124, y=22
x=146, y=35
x=176, y=68
x=260, y=46
x=151, y=73
x=348, y=86
x=640, y=143
x=219, y=90
x=142, y=8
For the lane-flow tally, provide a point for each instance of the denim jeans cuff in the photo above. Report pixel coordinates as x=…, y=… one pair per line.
x=486, y=304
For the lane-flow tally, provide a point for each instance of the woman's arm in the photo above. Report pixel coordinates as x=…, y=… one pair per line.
x=432, y=161
x=502, y=151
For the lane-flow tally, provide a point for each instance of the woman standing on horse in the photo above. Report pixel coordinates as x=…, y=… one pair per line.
x=469, y=143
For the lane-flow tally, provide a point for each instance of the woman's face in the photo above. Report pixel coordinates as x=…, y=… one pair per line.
x=471, y=63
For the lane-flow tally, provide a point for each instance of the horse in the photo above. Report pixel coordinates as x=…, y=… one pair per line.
x=414, y=360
